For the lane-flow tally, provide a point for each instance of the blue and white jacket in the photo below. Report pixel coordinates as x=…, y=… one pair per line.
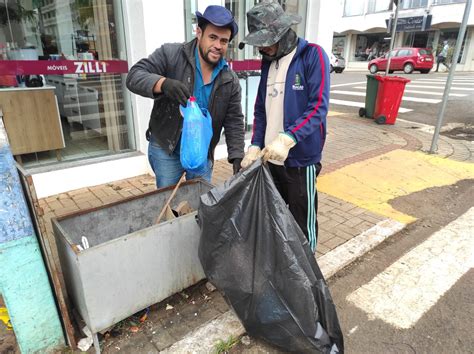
x=306, y=104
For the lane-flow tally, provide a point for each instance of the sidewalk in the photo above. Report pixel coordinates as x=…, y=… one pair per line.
x=364, y=166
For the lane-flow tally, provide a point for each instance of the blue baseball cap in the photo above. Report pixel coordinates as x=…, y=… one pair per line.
x=219, y=16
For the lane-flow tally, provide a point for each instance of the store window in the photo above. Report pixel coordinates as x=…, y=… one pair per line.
x=379, y=6
x=338, y=45
x=420, y=39
x=451, y=36
x=371, y=46
x=69, y=58
x=354, y=7
x=413, y=4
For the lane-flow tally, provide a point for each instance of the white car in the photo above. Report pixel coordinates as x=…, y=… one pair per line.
x=338, y=64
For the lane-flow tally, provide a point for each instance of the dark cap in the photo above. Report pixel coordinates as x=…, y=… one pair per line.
x=267, y=23
x=219, y=16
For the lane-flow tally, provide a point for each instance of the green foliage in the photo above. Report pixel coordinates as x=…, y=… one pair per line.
x=224, y=346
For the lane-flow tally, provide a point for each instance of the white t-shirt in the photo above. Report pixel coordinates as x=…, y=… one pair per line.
x=275, y=98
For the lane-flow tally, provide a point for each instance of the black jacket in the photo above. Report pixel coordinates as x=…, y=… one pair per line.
x=177, y=61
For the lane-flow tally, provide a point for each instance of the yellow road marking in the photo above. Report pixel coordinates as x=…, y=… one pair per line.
x=372, y=183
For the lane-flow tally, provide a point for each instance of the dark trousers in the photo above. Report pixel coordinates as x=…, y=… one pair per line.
x=441, y=60
x=297, y=186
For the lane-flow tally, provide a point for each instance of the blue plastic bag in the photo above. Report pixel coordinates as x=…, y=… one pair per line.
x=196, y=136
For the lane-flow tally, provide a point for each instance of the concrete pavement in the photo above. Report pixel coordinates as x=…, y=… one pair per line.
x=364, y=167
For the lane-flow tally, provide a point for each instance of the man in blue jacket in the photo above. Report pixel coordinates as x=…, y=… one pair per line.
x=289, y=128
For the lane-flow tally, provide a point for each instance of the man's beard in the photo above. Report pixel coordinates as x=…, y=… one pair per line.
x=205, y=56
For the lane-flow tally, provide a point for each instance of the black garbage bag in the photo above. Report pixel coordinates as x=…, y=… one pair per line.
x=255, y=253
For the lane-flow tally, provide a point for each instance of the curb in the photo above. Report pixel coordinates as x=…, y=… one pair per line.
x=204, y=338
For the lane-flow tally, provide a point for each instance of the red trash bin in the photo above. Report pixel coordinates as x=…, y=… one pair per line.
x=389, y=97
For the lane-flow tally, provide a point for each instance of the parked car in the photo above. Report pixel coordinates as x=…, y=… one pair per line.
x=338, y=64
x=406, y=60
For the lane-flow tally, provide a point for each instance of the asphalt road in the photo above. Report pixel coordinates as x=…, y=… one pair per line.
x=426, y=89
x=382, y=310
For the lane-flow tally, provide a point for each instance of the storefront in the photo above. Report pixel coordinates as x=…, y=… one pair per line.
x=73, y=50
x=370, y=45
x=363, y=29
x=64, y=62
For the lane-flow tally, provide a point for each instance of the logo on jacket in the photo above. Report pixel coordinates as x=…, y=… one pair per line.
x=297, y=85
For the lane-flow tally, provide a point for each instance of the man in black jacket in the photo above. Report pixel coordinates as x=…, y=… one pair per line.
x=171, y=75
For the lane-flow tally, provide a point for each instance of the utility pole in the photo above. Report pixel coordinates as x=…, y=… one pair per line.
x=447, y=88
x=397, y=3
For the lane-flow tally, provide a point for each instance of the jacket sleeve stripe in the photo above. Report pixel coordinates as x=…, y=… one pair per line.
x=321, y=60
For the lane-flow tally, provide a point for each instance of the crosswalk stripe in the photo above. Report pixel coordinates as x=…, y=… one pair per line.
x=405, y=98
x=423, y=92
x=353, y=93
x=441, y=80
x=436, y=93
x=361, y=104
x=442, y=87
x=407, y=289
x=455, y=83
x=348, y=84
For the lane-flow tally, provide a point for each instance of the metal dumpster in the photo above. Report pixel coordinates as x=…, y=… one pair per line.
x=131, y=262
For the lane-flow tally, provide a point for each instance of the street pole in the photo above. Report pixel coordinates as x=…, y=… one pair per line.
x=447, y=88
x=392, y=38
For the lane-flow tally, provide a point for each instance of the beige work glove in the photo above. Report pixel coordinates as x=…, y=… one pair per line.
x=253, y=153
x=279, y=148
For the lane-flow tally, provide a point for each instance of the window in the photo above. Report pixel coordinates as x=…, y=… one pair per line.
x=76, y=52
x=413, y=4
x=338, y=45
x=370, y=46
x=379, y=6
x=404, y=53
x=354, y=7
x=450, y=36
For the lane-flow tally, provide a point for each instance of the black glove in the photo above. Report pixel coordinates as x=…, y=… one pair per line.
x=175, y=90
x=236, y=165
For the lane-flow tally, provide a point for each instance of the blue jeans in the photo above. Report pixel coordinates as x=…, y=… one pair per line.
x=168, y=169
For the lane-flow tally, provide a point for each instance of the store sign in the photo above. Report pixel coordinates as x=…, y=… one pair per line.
x=59, y=67
x=246, y=65
x=414, y=23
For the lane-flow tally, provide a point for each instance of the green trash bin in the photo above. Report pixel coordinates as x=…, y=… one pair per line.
x=370, y=97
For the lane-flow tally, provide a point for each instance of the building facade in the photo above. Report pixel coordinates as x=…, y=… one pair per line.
x=361, y=31
x=70, y=120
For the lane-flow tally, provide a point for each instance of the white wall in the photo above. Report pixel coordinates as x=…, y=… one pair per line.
x=320, y=22
x=149, y=24
x=61, y=181
x=450, y=14
x=164, y=23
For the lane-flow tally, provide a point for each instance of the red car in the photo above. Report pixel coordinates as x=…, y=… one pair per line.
x=406, y=60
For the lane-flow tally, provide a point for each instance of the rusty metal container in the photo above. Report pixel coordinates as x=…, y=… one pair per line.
x=131, y=263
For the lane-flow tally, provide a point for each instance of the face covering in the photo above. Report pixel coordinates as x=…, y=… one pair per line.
x=285, y=45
